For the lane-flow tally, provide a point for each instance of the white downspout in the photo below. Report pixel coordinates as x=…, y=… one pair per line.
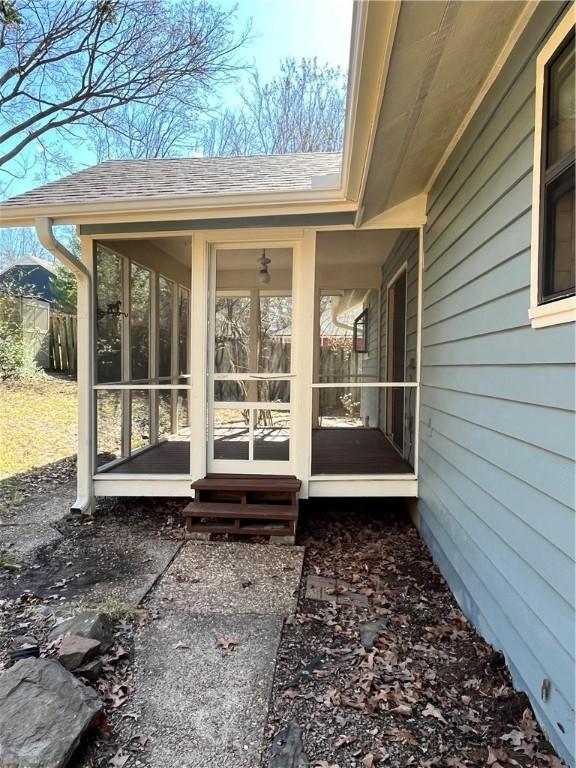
x=83, y=276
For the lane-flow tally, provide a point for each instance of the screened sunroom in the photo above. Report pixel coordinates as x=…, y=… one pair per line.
x=256, y=355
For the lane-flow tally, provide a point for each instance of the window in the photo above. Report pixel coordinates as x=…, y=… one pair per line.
x=360, y=336
x=553, y=237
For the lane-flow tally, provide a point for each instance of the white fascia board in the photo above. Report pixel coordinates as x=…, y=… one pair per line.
x=174, y=209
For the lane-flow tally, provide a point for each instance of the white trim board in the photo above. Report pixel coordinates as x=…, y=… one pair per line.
x=561, y=310
x=179, y=486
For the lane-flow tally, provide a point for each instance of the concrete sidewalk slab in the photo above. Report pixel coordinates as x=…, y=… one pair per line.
x=201, y=705
x=231, y=577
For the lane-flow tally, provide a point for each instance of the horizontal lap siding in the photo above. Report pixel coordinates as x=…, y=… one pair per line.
x=496, y=477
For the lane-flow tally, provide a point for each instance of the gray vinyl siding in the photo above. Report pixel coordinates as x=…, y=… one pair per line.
x=405, y=251
x=496, y=469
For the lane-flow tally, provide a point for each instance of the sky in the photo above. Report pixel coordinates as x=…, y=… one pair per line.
x=296, y=28
x=280, y=28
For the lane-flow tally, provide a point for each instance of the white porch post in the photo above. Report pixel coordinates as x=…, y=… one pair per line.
x=303, y=341
x=86, y=318
x=419, y=348
x=198, y=355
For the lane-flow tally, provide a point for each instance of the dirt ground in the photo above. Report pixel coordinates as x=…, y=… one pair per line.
x=430, y=693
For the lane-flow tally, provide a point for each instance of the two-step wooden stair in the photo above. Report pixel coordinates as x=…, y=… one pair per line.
x=252, y=505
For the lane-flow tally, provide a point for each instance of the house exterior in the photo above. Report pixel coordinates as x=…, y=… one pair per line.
x=395, y=321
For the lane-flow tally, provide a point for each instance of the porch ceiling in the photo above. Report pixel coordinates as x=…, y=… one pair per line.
x=442, y=54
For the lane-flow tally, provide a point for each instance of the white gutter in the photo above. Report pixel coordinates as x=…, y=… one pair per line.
x=46, y=236
x=83, y=276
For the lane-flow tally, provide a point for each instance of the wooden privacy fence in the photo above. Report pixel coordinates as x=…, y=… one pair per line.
x=63, y=343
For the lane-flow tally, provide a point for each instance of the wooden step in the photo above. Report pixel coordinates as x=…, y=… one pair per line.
x=247, y=484
x=243, y=528
x=240, y=511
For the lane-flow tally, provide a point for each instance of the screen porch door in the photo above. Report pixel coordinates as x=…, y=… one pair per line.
x=250, y=361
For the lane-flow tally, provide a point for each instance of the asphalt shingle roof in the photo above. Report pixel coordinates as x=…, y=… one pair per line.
x=183, y=177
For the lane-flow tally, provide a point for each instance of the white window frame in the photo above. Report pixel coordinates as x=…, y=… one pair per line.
x=562, y=310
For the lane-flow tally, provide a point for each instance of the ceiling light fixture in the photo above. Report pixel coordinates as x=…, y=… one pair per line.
x=263, y=274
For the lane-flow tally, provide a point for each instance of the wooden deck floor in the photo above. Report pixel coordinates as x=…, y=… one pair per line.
x=355, y=451
x=335, y=451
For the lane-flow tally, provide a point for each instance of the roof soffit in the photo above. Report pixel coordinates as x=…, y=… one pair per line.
x=442, y=55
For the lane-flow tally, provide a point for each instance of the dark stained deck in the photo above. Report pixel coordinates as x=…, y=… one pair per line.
x=335, y=451
x=355, y=451
x=169, y=458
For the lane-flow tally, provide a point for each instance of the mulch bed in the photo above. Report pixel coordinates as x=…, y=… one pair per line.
x=430, y=693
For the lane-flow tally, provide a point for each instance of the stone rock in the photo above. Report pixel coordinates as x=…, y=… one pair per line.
x=91, y=671
x=91, y=624
x=23, y=647
x=75, y=650
x=369, y=632
x=315, y=664
x=44, y=711
x=286, y=750
x=23, y=641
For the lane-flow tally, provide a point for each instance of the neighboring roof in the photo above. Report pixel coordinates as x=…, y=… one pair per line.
x=29, y=277
x=116, y=180
x=31, y=261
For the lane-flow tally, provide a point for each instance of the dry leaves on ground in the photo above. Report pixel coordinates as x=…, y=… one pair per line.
x=430, y=693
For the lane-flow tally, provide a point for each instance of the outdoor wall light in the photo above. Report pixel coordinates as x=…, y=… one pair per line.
x=263, y=274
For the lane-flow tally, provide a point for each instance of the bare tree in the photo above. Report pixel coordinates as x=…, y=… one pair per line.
x=300, y=110
x=16, y=244
x=67, y=65
x=139, y=131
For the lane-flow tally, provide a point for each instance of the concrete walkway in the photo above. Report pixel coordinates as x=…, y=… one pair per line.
x=203, y=669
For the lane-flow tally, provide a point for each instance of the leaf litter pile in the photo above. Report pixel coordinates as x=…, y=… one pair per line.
x=384, y=669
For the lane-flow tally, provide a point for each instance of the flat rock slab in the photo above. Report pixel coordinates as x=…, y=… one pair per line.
x=231, y=578
x=286, y=751
x=75, y=651
x=44, y=711
x=89, y=624
x=200, y=706
x=334, y=591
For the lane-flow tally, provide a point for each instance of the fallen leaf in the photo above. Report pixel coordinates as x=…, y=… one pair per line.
x=401, y=735
x=515, y=737
x=495, y=755
x=402, y=709
x=120, y=759
x=227, y=644
x=432, y=711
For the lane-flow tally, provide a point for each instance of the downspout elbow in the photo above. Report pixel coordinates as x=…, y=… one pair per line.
x=46, y=236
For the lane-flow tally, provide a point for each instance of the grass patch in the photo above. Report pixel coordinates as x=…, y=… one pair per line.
x=116, y=609
x=8, y=563
x=38, y=423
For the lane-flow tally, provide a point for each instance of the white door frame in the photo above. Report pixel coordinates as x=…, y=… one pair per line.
x=205, y=245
